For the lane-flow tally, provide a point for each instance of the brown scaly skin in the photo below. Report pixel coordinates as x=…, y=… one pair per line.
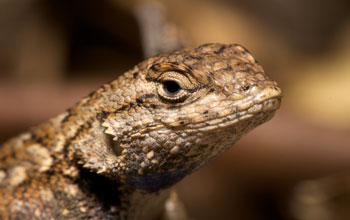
x=115, y=154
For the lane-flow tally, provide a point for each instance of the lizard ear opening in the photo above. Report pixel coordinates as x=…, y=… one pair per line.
x=114, y=145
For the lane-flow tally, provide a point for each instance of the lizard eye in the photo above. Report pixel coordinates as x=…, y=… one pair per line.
x=174, y=87
x=171, y=87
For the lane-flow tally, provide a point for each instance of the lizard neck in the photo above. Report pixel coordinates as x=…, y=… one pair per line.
x=121, y=200
x=144, y=205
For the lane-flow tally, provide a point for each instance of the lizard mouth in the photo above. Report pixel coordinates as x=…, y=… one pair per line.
x=267, y=99
x=265, y=102
x=271, y=104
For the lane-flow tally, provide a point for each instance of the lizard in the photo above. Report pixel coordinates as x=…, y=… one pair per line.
x=117, y=153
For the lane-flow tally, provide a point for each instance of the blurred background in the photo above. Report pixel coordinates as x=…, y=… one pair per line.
x=297, y=166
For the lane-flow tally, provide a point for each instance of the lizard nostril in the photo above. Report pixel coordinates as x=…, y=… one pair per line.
x=245, y=88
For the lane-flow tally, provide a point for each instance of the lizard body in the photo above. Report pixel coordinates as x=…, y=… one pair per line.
x=117, y=152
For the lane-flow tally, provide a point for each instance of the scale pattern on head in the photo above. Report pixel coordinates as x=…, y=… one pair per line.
x=173, y=113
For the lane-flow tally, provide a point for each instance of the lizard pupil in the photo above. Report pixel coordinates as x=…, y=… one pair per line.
x=171, y=87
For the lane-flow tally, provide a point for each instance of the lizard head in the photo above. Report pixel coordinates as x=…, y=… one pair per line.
x=180, y=110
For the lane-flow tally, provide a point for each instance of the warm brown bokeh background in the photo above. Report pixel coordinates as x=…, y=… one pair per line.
x=294, y=167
